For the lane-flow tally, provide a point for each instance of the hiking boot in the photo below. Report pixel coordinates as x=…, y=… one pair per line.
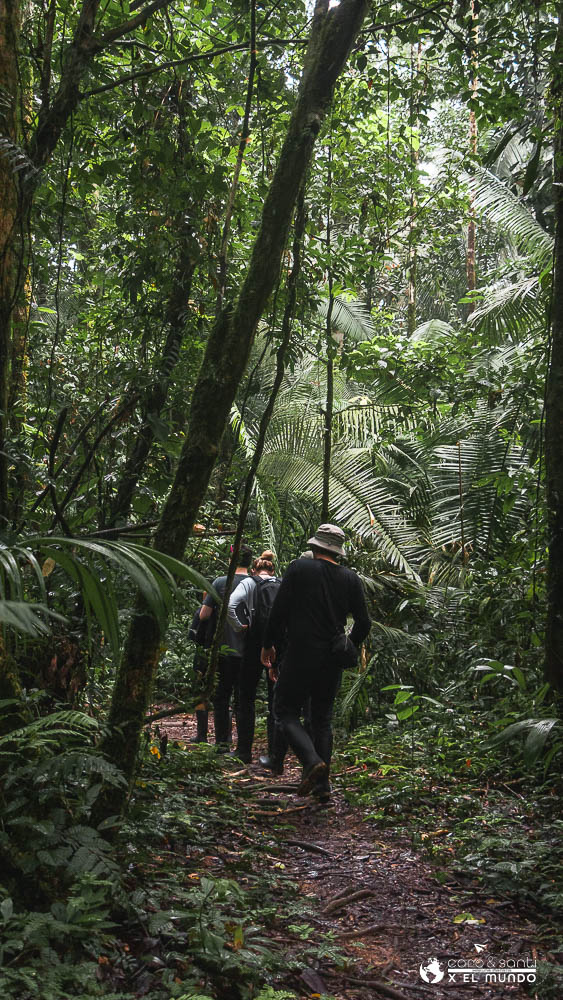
x=272, y=764
x=244, y=755
x=312, y=776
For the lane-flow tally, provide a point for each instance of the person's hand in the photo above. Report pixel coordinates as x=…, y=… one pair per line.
x=267, y=656
x=273, y=674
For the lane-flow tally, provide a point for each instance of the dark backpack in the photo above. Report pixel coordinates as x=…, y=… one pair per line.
x=266, y=592
x=201, y=632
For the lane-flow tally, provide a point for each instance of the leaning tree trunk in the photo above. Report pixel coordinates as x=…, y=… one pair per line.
x=332, y=34
x=554, y=400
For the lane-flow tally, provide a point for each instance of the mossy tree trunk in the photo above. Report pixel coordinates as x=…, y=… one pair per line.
x=554, y=400
x=332, y=34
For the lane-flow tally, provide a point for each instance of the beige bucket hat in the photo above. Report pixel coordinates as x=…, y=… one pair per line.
x=329, y=537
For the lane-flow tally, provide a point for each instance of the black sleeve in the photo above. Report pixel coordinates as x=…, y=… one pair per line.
x=358, y=607
x=279, y=615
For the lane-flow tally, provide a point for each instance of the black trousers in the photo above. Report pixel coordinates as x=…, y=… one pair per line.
x=228, y=670
x=307, y=673
x=251, y=672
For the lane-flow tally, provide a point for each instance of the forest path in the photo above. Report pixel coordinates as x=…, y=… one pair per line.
x=380, y=901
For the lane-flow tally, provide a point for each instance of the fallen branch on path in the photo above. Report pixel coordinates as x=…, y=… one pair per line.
x=265, y=802
x=309, y=847
x=272, y=788
x=167, y=713
x=338, y=895
x=354, y=897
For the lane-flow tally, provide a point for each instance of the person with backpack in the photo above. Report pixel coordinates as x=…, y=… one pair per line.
x=278, y=746
x=248, y=612
x=228, y=666
x=309, y=615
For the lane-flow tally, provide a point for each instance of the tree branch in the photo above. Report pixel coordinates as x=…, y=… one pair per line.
x=421, y=12
x=55, y=113
x=172, y=63
x=134, y=22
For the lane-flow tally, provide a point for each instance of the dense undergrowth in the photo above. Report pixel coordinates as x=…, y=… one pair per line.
x=146, y=913
x=188, y=897
x=479, y=799
x=183, y=898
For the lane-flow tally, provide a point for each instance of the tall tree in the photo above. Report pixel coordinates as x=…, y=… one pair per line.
x=11, y=228
x=333, y=32
x=554, y=397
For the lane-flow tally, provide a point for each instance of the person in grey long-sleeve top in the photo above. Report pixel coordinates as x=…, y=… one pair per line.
x=313, y=603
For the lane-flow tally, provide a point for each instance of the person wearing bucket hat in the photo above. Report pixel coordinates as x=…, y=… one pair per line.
x=313, y=603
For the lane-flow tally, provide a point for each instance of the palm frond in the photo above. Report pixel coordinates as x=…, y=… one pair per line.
x=505, y=210
x=368, y=505
x=433, y=330
x=85, y=562
x=27, y=619
x=349, y=316
x=464, y=481
x=514, y=310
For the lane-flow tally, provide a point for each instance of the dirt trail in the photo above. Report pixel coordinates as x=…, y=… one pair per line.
x=382, y=901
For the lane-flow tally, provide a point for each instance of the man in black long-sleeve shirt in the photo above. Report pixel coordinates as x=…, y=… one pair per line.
x=314, y=600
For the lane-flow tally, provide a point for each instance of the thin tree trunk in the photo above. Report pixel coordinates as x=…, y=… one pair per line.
x=287, y=326
x=413, y=256
x=332, y=34
x=244, y=139
x=17, y=187
x=330, y=352
x=328, y=417
x=471, y=266
x=10, y=217
x=554, y=399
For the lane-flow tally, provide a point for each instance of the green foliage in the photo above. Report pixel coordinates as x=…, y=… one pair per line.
x=442, y=773
x=436, y=468
x=83, y=560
